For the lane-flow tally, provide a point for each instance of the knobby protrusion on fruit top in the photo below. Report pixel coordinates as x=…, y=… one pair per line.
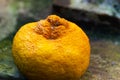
x=52, y=27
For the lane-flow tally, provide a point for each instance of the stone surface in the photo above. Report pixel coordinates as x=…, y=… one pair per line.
x=10, y=10
x=104, y=65
x=7, y=19
x=108, y=7
x=8, y=70
x=89, y=15
x=37, y=9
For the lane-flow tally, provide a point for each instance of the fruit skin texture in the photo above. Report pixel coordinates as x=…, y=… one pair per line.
x=51, y=49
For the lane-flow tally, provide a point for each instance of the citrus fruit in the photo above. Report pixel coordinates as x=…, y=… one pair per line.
x=51, y=49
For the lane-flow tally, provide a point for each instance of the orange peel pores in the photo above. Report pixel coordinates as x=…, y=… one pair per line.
x=51, y=49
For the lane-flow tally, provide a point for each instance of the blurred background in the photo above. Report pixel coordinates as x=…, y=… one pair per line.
x=100, y=19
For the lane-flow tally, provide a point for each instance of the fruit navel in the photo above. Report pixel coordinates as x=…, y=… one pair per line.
x=52, y=27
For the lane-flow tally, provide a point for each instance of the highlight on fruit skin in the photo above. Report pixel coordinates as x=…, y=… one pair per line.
x=51, y=49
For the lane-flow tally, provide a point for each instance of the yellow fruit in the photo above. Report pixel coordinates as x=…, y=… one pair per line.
x=51, y=49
